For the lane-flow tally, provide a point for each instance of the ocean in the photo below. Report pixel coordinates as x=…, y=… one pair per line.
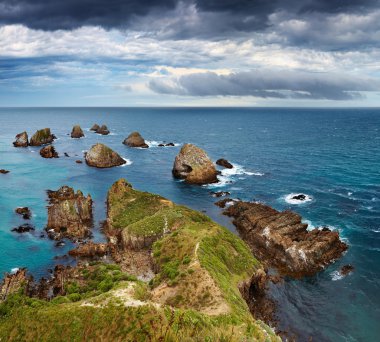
x=332, y=155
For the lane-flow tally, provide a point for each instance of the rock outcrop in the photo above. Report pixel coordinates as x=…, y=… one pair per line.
x=90, y=250
x=135, y=140
x=24, y=212
x=225, y=163
x=48, y=152
x=194, y=166
x=95, y=127
x=69, y=214
x=4, y=172
x=103, y=130
x=42, y=137
x=21, y=140
x=103, y=157
x=281, y=240
x=77, y=132
x=24, y=228
x=13, y=283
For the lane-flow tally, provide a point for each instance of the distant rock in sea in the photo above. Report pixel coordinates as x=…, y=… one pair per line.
x=194, y=166
x=3, y=171
x=42, y=137
x=281, y=240
x=102, y=156
x=103, y=130
x=21, y=140
x=24, y=228
x=95, y=127
x=48, y=152
x=69, y=214
x=225, y=163
x=135, y=140
x=77, y=132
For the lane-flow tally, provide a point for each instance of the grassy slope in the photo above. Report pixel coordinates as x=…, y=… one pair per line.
x=194, y=251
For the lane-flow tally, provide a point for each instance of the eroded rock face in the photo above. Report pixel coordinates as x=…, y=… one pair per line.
x=21, y=140
x=281, y=240
x=69, y=214
x=103, y=130
x=90, y=250
x=24, y=212
x=42, y=137
x=48, y=152
x=77, y=132
x=225, y=163
x=95, y=127
x=135, y=140
x=194, y=166
x=102, y=156
x=13, y=283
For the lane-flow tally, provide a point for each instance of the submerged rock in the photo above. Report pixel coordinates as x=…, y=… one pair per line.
x=48, y=152
x=21, y=140
x=102, y=156
x=95, y=127
x=79, y=161
x=24, y=211
x=69, y=214
x=24, y=228
x=346, y=269
x=90, y=250
x=103, y=130
x=4, y=172
x=219, y=193
x=194, y=166
x=77, y=132
x=225, y=163
x=135, y=140
x=42, y=137
x=281, y=240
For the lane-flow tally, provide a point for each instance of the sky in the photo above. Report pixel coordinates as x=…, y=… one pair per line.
x=310, y=53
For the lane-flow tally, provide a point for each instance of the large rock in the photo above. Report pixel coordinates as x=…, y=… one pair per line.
x=48, y=152
x=21, y=140
x=281, y=240
x=77, y=132
x=42, y=137
x=194, y=166
x=102, y=156
x=69, y=214
x=103, y=130
x=135, y=140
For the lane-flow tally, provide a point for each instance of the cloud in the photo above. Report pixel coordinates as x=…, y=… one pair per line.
x=267, y=84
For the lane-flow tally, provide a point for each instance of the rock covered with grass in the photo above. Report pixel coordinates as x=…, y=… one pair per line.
x=194, y=166
x=77, y=132
x=69, y=214
x=42, y=137
x=21, y=140
x=102, y=156
x=135, y=140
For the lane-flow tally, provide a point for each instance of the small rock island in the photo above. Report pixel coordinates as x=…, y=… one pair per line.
x=102, y=156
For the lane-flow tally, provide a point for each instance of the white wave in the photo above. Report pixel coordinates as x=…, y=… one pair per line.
x=289, y=198
x=127, y=162
x=376, y=230
x=14, y=270
x=336, y=275
x=310, y=225
x=349, y=193
x=153, y=143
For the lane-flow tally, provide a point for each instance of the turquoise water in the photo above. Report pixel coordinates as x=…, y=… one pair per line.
x=330, y=154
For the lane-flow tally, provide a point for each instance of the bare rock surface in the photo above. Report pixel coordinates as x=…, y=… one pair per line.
x=21, y=140
x=135, y=140
x=24, y=212
x=194, y=166
x=281, y=240
x=102, y=156
x=48, y=152
x=225, y=163
x=103, y=130
x=77, y=132
x=90, y=250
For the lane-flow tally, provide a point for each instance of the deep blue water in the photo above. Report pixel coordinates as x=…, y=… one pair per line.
x=330, y=154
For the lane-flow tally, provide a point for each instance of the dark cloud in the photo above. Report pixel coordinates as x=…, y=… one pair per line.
x=268, y=84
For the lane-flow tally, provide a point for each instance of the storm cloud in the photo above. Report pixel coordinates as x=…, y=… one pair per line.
x=268, y=84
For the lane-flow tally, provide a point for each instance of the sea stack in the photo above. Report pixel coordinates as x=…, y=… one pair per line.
x=135, y=140
x=21, y=140
x=95, y=127
x=194, y=166
x=77, y=132
x=103, y=130
x=102, y=156
x=48, y=152
x=42, y=137
x=69, y=214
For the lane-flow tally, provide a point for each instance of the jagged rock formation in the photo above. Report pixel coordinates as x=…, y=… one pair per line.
x=69, y=214
x=281, y=240
x=90, y=250
x=135, y=140
x=77, y=132
x=225, y=163
x=103, y=130
x=24, y=212
x=194, y=166
x=103, y=157
x=21, y=140
x=42, y=137
x=24, y=228
x=13, y=283
x=95, y=127
x=48, y=152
